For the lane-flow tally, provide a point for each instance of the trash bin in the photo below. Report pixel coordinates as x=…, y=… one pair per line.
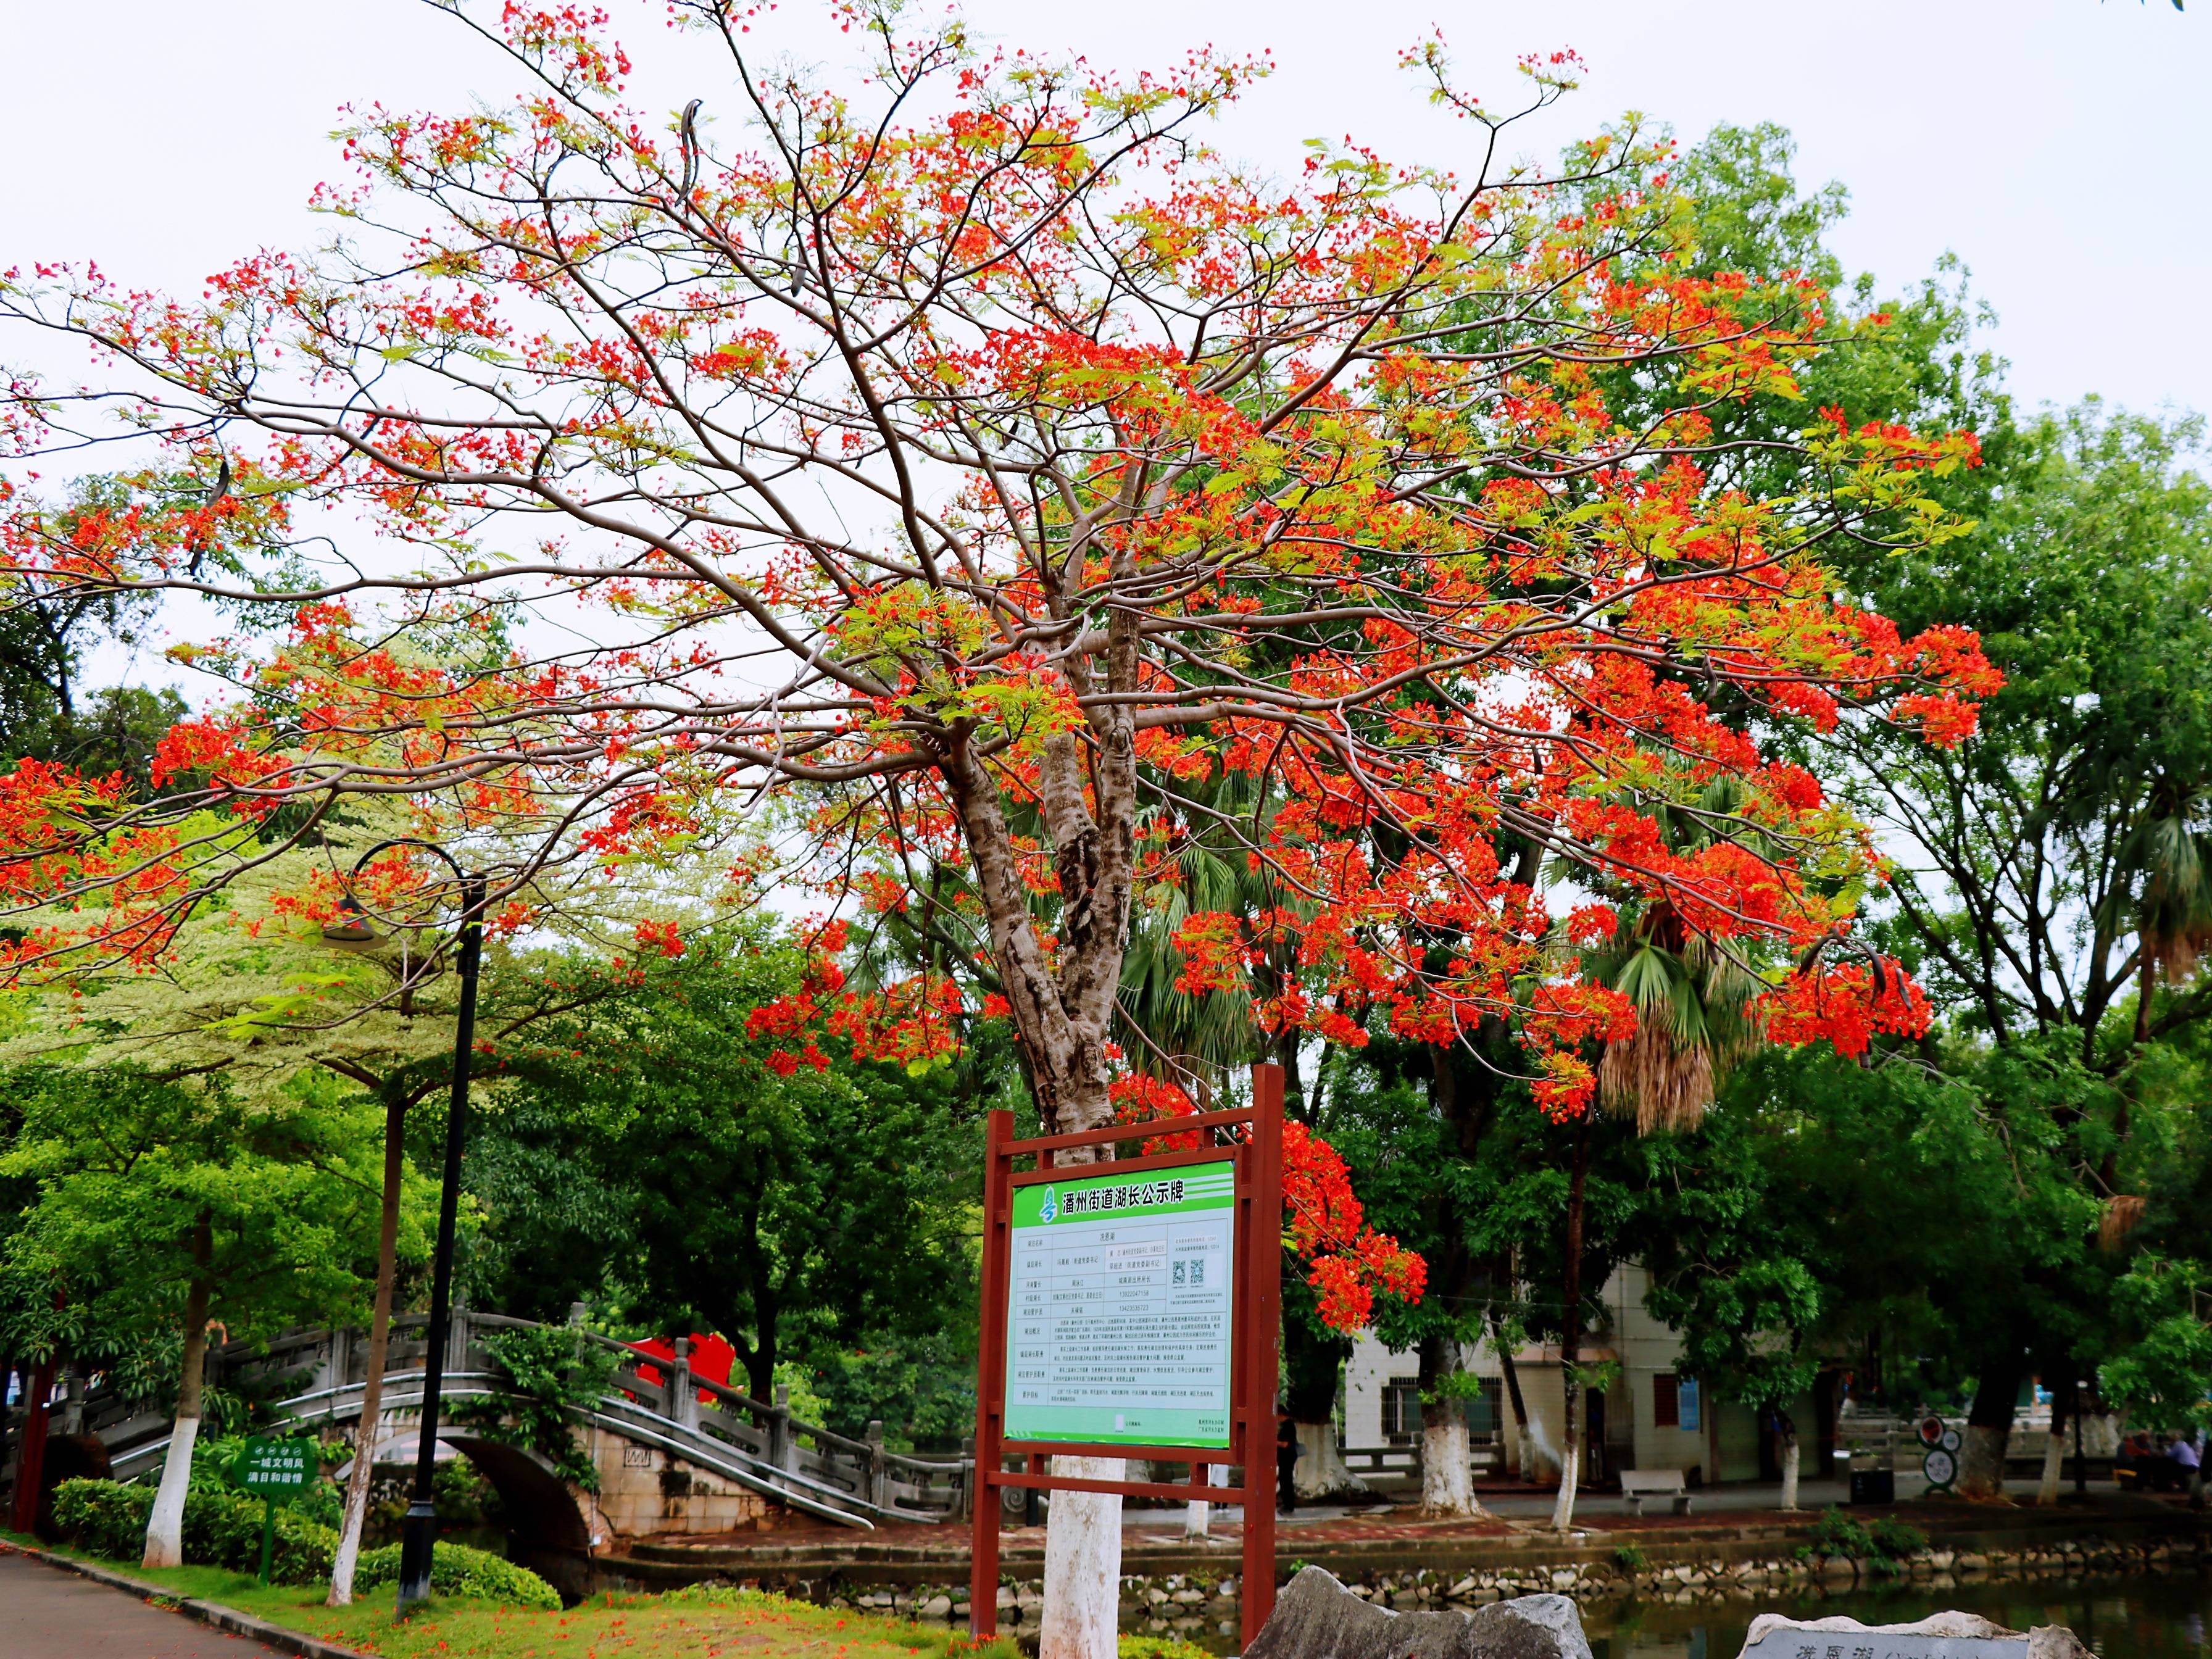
x=1874, y=1486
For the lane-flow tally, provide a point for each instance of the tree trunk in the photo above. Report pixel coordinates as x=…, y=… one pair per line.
x=1063, y=1004
x=1447, y=1478
x=379, y=1342
x=1323, y=1474
x=1082, y=1563
x=1518, y=1454
x=1313, y=1366
x=165, y=1528
x=1786, y=1426
x=2054, y=1462
x=1198, y=1517
x=1570, y=1336
x=2055, y=1448
x=761, y=1359
x=1083, y=1531
x=1989, y=1431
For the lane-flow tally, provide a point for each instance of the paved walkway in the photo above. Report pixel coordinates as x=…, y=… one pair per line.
x=48, y=1613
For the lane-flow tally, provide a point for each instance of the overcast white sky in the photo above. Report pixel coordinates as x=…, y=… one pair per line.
x=2058, y=146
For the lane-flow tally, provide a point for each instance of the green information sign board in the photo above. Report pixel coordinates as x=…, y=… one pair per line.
x=272, y=1470
x=276, y=1468
x=1119, y=1307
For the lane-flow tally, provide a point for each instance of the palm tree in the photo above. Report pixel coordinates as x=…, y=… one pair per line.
x=1691, y=1021
x=2170, y=861
x=1692, y=1003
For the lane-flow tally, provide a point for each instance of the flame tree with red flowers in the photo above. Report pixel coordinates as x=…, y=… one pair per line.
x=956, y=468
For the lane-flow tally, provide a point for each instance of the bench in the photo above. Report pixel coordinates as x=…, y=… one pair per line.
x=1637, y=1485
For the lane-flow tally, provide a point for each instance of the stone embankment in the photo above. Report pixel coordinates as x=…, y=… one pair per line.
x=1203, y=1603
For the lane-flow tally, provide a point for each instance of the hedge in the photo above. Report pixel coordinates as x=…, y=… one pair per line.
x=103, y=1517
x=224, y=1529
x=456, y=1569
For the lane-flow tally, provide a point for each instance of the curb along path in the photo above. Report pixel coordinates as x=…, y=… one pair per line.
x=52, y=1615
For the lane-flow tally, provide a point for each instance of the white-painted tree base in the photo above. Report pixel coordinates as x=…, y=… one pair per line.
x=1447, y=1478
x=1197, y=1518
x=2054, y=1457
x=165, y=1528
x=1083, y=1565
x=1563, y=1511
x=1321, y=1472
x=355, y=1515
x=1790, y=1472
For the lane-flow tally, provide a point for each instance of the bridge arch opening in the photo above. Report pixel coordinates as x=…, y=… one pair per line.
x=547, y=1528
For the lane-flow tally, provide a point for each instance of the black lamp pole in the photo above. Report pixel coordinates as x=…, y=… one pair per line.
x=419, y=1530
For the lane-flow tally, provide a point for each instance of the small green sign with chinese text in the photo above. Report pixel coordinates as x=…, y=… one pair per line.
x=276, y=1468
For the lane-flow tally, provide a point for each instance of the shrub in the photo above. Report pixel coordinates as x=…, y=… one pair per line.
x=1628, y=1557
x=1837, y=1534
x=221, y=1529
x=1160, y=1647
x=714, y=1594
x=224, y=1529
x=456, y=1569
x=103, y=1517
x=1896, y=1539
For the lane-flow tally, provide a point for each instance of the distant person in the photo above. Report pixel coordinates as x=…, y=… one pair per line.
x=2183, y=1456
x=2130, y=1468
x=1286, y=1464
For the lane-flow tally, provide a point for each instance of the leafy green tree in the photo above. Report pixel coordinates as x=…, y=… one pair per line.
x=2047, y=885
x=167, y=1204
x=716, y=1175
x=1917, y=1217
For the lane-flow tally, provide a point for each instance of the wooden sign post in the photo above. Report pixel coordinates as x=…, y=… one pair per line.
x=1130, y=1310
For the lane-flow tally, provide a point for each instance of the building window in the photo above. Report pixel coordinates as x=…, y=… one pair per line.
x=1666, y=1406
x=1402, y=1408
x=1481, y=1408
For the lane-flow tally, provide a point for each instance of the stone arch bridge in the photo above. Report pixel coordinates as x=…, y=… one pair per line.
x=677, y=1456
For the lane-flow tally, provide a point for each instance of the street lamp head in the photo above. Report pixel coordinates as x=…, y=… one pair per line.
x=351, y=926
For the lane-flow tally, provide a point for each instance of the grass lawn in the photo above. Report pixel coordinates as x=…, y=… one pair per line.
x=721, y=1624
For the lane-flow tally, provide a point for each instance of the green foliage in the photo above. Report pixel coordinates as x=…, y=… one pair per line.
x=1628, y=1557
x=1454, y=1385
x=921, y=1388
x=1837, y=1534
x=648, y=1155
x=144, y=1183
x=805, y=1402
x=1888, y=1541
x=222, y=1528
x=103, y=1517
x=1896, y=1539
x=1757, y=1232
x=458, y=1570
x=550, y=1373
x=1130, y=1645
x=2160, y=1375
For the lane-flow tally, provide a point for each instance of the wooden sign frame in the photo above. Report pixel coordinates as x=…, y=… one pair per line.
x=1254, y=1317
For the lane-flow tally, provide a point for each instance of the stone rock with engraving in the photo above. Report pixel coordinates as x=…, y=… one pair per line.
x=1316, y=1618
x=1939, y=1636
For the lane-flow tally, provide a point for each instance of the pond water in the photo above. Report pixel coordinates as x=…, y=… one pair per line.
x=2143, y=1617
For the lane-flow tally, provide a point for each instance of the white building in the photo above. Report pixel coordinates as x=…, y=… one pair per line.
x=1652, y=1417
